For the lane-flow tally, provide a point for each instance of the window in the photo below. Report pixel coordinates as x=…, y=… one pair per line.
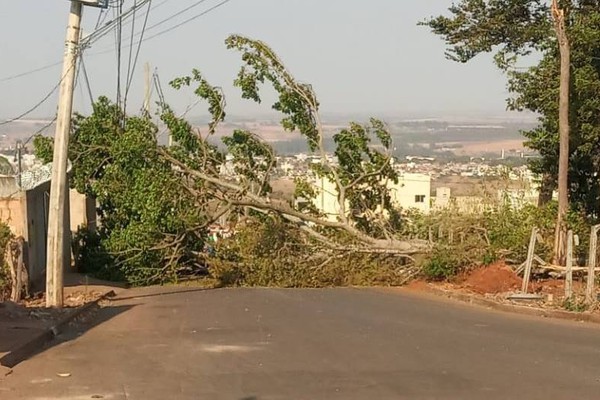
x=420, y=198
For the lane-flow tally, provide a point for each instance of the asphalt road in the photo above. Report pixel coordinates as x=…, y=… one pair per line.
x=259, y=344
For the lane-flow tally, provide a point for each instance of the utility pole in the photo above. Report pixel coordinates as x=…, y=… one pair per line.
x=57, y=257
x=147, y=87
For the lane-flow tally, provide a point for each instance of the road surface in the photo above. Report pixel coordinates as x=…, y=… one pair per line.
x=266, y=344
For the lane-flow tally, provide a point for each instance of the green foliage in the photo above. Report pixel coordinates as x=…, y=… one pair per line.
x=511, y=28
x=514, y=28
x=575, y=304
x=364, y=172
x=204, y=90
x=297, y=101
x=509, y=230
x=43, y=148
x=442, y=264
x=5, y=281
x=253, y=159
x=275, y=253
x=145, y=215
x=91, y=256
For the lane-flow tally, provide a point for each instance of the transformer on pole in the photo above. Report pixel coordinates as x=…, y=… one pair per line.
x=94, y=3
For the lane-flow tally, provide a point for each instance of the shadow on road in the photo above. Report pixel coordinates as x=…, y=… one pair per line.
x=88, y=322
x=156, y=292
x=46, y=339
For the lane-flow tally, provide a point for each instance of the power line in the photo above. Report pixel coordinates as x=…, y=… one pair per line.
x=213, y=8
x=118, y=20
x=196, y=4
x=38, y=104
x=42, y=129
x=87, y=80
x=33, y=71
x=118, y=45
x=158, y=34
x=129, y=58
x=137, y=54
x=98, y=33
x=49, y=124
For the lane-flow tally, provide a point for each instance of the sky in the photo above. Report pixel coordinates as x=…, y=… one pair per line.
x=364, y=57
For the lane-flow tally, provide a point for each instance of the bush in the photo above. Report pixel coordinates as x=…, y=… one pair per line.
x=5, y=279
x=501, y=232
x=91, y=256
x=442, y=264
x=272, y=253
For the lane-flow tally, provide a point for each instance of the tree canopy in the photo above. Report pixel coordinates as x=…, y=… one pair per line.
x=516, y=31
x=157, y=203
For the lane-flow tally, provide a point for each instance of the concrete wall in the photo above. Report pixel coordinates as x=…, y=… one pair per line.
x=326, y=200
x=26, y=213
x=11, y=212
x=83, y=211
x=516, y=198
x=37, y=232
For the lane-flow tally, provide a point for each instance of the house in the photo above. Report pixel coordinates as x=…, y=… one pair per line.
x=412, y=191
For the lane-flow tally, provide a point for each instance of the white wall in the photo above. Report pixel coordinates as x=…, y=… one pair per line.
x=326, y=200
x=404, y=194
x=409, y=187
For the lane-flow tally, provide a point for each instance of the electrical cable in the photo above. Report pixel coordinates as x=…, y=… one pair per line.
x=137, y=54
x=86, y=42
x=38, y=104
x=207, y=11
x=158, y=34
x=200, y=2
x=129, y=58
x=87, y=80
x=118, y=45
x=118, y=19
x=22, y=74
x=56, y=116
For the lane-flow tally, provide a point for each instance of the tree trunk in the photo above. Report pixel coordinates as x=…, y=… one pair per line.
x=546, y=190
x=564, y=131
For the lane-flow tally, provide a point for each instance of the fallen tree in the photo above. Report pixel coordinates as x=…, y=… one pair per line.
x=360, y=174
x=157, y=203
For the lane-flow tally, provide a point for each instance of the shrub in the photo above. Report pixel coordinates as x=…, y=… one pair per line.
x=5, y=280
x=272, y=253
x=441, y=265
x=91, y=256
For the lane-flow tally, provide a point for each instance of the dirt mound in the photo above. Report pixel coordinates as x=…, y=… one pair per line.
x=492, y=279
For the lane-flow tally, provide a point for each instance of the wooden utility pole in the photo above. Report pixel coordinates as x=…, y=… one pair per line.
x=57, y=254
x=20, y=164
x=569, y=270
x=591, y=275
x=560, y=26
x=147, y=89
x=529, y=262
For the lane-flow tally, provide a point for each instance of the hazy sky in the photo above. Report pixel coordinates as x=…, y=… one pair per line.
x=362, y=56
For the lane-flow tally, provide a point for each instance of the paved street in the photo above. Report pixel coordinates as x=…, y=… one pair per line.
x=259, y=344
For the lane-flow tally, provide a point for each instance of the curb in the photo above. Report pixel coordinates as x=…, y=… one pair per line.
x=515, y=309
x=29, y=348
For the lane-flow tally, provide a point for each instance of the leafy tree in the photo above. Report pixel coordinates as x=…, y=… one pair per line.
x=157, y=202
x=562, y=34
x=362, y=153
x=149, y=227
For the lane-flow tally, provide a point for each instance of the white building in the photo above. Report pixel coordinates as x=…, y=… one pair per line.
x=413, y=191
